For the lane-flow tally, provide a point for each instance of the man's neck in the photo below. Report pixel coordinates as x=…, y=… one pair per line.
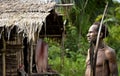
x=100, y=45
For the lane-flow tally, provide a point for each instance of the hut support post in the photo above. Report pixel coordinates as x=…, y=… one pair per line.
x=62, y=46
x=3, y=55
x=31, y=57
x=4, y=66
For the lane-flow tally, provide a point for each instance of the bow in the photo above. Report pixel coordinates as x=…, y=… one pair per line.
x=93, y=66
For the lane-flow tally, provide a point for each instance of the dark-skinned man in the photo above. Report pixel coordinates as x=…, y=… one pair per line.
x=106, y=64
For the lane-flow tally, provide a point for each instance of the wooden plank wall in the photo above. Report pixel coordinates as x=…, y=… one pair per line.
x=13, y=56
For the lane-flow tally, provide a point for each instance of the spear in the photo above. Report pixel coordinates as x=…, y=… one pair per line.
x=97, y=42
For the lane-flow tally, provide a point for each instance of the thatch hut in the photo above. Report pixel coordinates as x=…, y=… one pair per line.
x=22, y=23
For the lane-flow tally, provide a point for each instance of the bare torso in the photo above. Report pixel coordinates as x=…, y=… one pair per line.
x=102, y=66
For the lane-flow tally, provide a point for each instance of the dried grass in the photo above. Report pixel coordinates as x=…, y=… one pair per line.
x=25, y=7
x=27, y=16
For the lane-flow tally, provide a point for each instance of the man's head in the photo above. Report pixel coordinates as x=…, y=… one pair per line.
x=93, y=32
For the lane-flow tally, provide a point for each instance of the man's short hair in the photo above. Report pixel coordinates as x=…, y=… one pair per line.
x=104, y=29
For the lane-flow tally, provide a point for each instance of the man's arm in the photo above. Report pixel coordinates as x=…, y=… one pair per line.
x=88, y=71
x=111, y=56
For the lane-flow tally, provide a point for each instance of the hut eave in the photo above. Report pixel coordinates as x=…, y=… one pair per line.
x=27, y=16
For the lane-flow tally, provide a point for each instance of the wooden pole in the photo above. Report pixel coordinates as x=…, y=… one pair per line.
x=31, y=56
x=62, y=46
x=4, y=65
x=64, y=5
x=3, y=54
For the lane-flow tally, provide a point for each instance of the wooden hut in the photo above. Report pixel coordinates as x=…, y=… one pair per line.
x=22, y=23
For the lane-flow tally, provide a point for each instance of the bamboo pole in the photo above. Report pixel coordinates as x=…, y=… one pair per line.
x=4, y=66
x=64, y=5
x=3, y=55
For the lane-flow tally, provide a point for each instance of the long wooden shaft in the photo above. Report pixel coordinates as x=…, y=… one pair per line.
x=97, y=42
x=3, y=55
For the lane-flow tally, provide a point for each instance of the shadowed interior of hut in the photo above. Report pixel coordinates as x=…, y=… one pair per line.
x=53, y=27
x=1, y=41
x=1, y=47
x=25, y=53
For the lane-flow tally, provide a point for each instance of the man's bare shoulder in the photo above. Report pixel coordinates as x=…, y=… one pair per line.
x=110, y=53
x=109, y=50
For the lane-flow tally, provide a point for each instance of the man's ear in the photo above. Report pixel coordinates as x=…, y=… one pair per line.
x=101, y=35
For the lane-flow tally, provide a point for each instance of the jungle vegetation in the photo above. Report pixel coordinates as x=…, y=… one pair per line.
x=68, y=58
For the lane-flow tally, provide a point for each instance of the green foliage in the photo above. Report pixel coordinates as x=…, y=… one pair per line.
x=74, y=68
x=118, y=68
x=83, y=14
x=113, y=15
x=72, y=65
x=54, y=49
x=117, y=10
x=114, y=39
x=71, y=39
x=69, y=67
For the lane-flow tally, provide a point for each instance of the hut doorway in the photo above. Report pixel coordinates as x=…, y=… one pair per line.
x=25, y=53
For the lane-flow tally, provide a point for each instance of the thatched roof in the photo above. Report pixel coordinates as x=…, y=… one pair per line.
x=20, y=6
x=28, y=16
